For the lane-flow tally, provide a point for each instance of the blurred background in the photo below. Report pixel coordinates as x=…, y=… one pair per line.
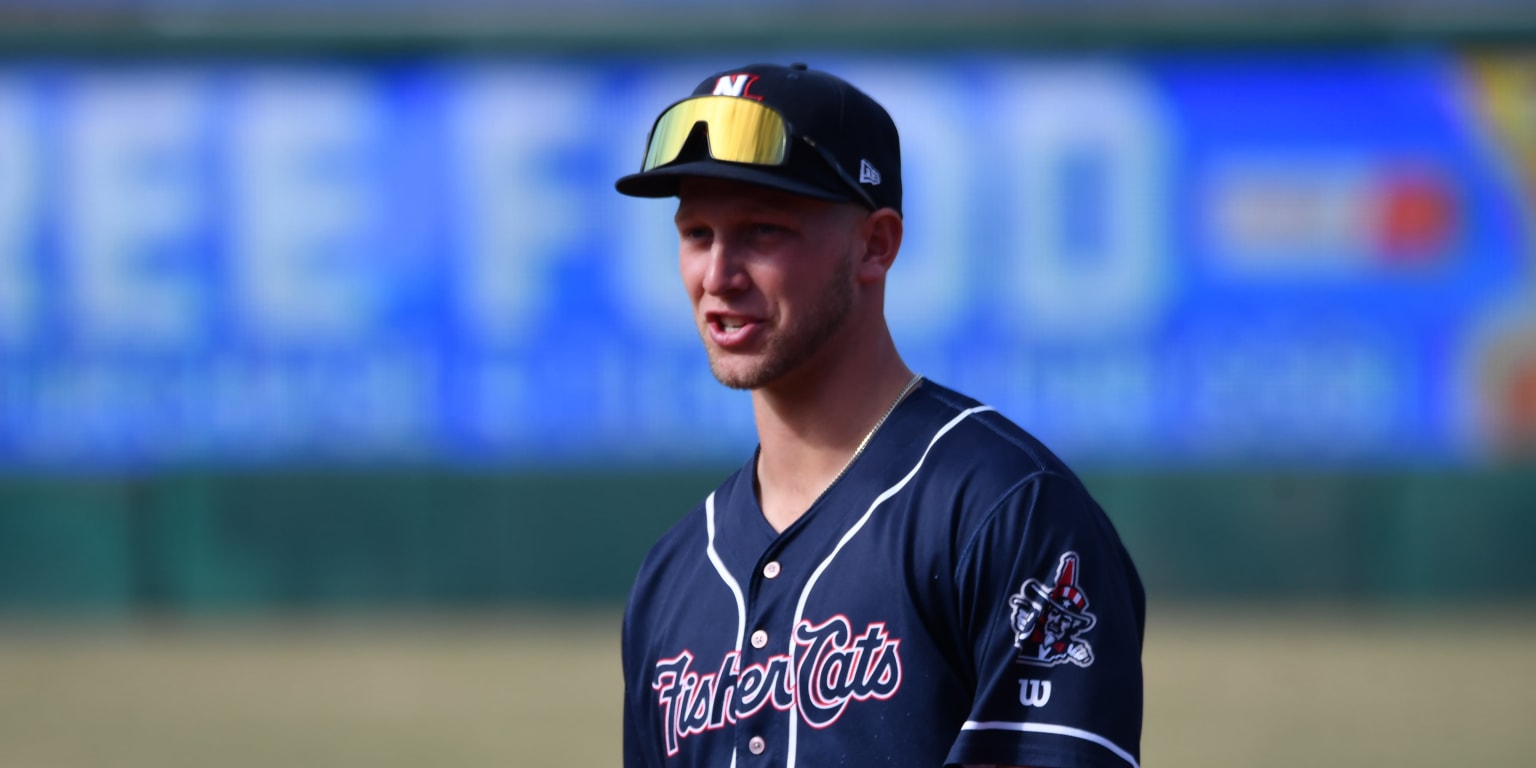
x=340, y=395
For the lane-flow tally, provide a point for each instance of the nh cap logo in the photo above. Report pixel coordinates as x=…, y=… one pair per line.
x=736, y=85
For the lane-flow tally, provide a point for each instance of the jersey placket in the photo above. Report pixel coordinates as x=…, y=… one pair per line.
x=764, y=699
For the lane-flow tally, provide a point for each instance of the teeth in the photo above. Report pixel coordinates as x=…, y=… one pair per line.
x=730, y=325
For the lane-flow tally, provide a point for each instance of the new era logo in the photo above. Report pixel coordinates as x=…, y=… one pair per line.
x=867, y=173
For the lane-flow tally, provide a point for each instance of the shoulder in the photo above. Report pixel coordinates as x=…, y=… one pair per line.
x=688, y=533
x=668, y=567
x=681, y=548
x=985, y=484
x=975, y=449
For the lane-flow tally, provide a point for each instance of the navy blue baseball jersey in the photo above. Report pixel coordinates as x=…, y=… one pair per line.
x=956, y=597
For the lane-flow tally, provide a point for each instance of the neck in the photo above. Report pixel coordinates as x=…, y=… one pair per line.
x=811, y=423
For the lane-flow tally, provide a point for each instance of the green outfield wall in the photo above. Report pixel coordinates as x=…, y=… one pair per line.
x=419, y=539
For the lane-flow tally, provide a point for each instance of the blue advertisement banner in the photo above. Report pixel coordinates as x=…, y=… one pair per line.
x=1170, y=260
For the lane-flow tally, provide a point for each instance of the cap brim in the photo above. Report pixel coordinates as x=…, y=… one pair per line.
x=663, y=181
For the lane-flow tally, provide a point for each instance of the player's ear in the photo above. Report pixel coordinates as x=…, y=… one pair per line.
x=881, y=232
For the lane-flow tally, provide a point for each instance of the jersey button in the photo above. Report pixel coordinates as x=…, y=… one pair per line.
x=757, y=745
x=759, y=639
x=771, y=570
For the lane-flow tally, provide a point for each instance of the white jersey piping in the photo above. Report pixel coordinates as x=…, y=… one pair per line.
x=794, y=720
x=1059, y=730
x=730, y=581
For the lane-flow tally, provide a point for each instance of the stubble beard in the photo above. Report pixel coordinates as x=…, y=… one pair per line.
x=787, y=351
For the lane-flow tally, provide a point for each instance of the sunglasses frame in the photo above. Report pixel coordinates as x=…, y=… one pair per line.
x=790, y=133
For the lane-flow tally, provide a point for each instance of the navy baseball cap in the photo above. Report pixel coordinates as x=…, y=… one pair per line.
x=790, y=128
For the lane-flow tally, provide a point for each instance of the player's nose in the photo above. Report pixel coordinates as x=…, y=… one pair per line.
x=724, y=273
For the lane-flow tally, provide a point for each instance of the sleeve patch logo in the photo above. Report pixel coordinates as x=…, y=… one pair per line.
x=1048, y=620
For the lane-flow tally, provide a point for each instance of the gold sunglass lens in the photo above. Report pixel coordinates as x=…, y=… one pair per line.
x=739, y=131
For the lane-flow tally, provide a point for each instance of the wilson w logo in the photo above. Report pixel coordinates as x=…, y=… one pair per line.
x=1034, y=693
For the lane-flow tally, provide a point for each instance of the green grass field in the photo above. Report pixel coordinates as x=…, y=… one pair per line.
x=1334, y=688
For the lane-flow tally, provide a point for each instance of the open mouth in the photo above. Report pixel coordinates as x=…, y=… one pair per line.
x=731, y=331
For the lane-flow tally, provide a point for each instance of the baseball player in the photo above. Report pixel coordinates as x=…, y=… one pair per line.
x=899, y=575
